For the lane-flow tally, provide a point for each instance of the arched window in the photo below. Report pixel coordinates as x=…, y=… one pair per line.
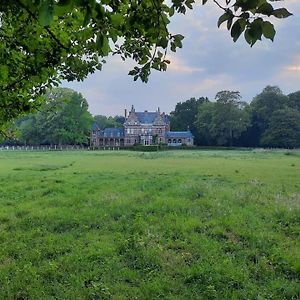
x=169, y=141
x=179, y=141
x=174, y=141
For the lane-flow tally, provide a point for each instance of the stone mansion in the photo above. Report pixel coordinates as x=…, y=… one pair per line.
x=143, y=128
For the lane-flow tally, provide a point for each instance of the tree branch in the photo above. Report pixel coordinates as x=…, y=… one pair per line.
x=45, y=27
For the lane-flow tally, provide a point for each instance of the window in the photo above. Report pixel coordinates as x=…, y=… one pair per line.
x=169, y=141
x=179, y=141
x=174, y=141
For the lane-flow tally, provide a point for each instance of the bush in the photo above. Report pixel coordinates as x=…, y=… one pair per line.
x=150, y=148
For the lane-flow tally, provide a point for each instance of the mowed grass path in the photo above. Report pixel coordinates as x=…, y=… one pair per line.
x=169, y=225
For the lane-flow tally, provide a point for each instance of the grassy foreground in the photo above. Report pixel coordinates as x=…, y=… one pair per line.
x=170, y=225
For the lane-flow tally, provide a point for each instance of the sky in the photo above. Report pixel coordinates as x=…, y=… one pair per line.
x=209, y=62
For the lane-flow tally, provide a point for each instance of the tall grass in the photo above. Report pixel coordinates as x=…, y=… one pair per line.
x=163, y=225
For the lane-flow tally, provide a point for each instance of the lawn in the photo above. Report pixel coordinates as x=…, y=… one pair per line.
x=133, y=225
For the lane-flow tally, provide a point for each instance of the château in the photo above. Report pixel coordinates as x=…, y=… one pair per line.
x=141, y=128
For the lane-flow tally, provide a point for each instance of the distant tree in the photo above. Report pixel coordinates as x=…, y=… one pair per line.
x=294, y=100
x=204, y=123
x=109, y=122
x=184, y=116
x=283, y=130
x=224, y=120
x=265, y=103
x=29, y=131
x=120, y=120
x=62, y=119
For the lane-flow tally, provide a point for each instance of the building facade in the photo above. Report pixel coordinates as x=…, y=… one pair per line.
x=141, y=128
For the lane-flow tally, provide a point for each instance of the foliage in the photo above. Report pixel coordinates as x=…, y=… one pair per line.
x=62, y=119
x=231, y=122
x=224, y=120
x=45, y=41
x=283, y=130
x=263, y=106
x=184, y=116
x=294, y=100
x=159, y=225
x=109, y=122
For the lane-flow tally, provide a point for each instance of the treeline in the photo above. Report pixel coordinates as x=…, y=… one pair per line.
x=63, y=119
x=272, y=119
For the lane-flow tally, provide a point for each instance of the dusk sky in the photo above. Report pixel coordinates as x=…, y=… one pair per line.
x=208, y=62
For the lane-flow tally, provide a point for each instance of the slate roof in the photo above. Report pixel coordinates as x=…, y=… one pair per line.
x=148, y=117
x=179, y=134
x=95, y=127
x=112, y=132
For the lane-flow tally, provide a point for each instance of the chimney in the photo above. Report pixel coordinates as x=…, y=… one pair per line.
x=125, y=113
x=158, y=110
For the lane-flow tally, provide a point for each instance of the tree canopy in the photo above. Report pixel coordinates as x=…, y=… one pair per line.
x=223, y=121
x=270, y=120
x=46, y=41
x=63, y=118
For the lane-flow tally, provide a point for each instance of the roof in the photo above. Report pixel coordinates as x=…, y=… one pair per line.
x=95, y=127
x=179, y=134
x=147, y=117
x=112, y=132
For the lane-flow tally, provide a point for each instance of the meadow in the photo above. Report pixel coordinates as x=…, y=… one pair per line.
x=158, y=225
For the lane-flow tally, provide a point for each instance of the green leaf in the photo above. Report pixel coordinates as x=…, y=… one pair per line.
x=87, y=17
x=62, y=7
x=177, y=41
x=268, y=30
x=117, y=19
x=248, y=37
x=46, y=12
x=105, y=47
x=237, y=29
x=189, y=3
x=281, y=13
x=163, y=42
x=4, y=71
x=226, y=16
x=255, y=30
x=171, y=11
x=229, y=23
x=265, y=9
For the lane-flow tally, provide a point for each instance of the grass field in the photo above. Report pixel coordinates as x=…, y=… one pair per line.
x=169, y=225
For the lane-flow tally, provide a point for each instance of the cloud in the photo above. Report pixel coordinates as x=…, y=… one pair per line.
x=208, y=62
x=293, y=68
x=178, y=65
x=207, y=86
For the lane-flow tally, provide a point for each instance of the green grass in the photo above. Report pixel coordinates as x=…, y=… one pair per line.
x=166, y=225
